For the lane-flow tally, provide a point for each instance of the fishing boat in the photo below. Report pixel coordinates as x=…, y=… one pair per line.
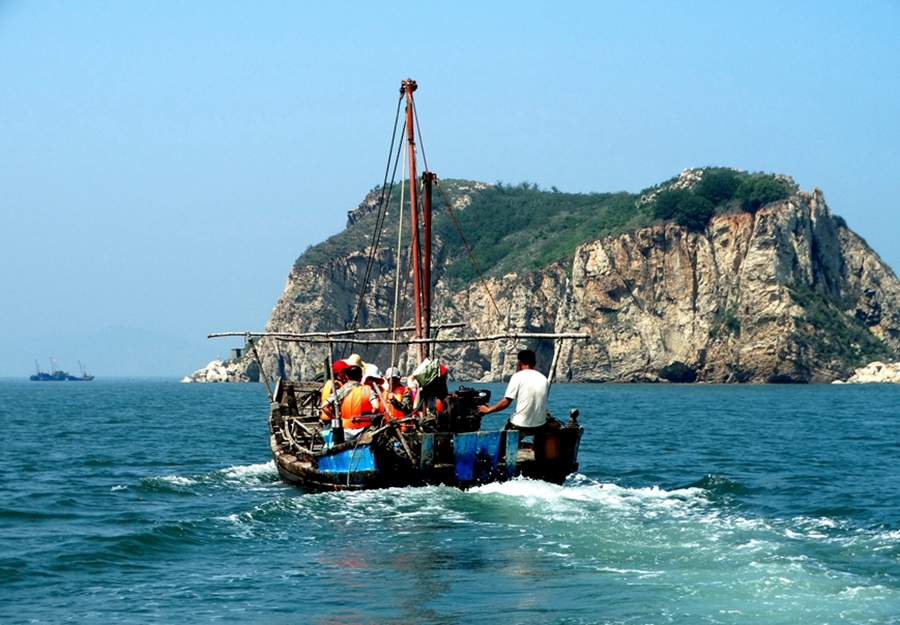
x=84, y=377
x=59, y=376
x=53, y=376
x=439, y=442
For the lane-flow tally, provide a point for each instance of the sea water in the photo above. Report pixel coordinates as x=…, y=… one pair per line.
x=147, y=501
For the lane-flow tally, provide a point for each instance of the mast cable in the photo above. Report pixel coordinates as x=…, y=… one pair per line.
x=421, y=142
x=399, y=262
x=379, y=223
x=471, y=255
x=458, y=228
x=406, y=282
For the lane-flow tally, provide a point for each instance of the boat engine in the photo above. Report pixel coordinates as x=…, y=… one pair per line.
x=461, y=410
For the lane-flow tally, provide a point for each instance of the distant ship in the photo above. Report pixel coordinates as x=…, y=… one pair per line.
x=84, y=375
x=59, y=376
x=53, y=376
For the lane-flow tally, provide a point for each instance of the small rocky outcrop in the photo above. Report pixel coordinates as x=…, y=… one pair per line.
x=875, y=373
x=368, y=205
x=226, y=371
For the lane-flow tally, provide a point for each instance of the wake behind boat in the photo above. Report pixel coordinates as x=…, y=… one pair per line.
x=433, y=436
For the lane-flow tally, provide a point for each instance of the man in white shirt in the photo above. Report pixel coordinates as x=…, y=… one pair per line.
x=529, y=388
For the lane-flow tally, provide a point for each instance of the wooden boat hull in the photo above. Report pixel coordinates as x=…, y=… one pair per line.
x=461, y=459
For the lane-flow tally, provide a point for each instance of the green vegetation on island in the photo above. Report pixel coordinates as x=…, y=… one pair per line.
x=523, y=227
x=508, y=227
x=718, y=191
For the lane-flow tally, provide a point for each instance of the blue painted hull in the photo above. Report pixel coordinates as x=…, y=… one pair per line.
x=469, y=458
x=57, y=376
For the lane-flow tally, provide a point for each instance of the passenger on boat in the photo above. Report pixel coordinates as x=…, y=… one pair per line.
x=529, y=389
x=355, y=361
x=399, y=397
x=431, y=394
x=340, y=376
x=358, y=404
x=372, y=377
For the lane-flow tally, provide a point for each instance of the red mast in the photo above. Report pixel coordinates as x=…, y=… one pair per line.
x=407, y=87
x=428, y=178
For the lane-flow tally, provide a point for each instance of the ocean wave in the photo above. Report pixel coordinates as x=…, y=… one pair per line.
x=720, y=486
x=575, y=522
x=131, y=548
x=264, y=472
x=247, y=475
x=32, y=516
x=585, y=493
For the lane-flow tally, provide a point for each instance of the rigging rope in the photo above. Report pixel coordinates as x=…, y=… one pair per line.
x=406, y=283
x=421, y=142
x=458, y=228
x=472, y=256
x=379, y=223
x=399, y=263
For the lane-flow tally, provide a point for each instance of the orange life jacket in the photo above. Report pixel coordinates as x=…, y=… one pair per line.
x=327, y=392
x=397, y=394
x=358, y=407
x=397, y=413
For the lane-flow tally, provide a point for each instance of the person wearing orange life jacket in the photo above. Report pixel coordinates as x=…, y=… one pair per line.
x=398, y=397
x=372, y=377
x=340, y=377
x=358, y=404
x=374, y=380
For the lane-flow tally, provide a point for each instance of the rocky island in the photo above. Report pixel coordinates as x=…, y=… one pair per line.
x=717, y=275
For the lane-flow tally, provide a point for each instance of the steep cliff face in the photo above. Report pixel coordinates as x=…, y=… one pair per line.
x=786, y=294
x=730, y=304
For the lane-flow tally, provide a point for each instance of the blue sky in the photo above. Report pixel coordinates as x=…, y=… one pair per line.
x=164, y=163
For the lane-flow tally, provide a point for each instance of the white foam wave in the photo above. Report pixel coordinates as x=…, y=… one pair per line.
x=589, y=493
x=251, y=471
x=682, y=519
x=242, y=523
x=239, y=474
x=177, y=480
x=580, y=501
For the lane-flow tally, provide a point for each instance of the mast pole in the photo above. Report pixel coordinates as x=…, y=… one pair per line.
x=428, y=177
x=407, y=87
